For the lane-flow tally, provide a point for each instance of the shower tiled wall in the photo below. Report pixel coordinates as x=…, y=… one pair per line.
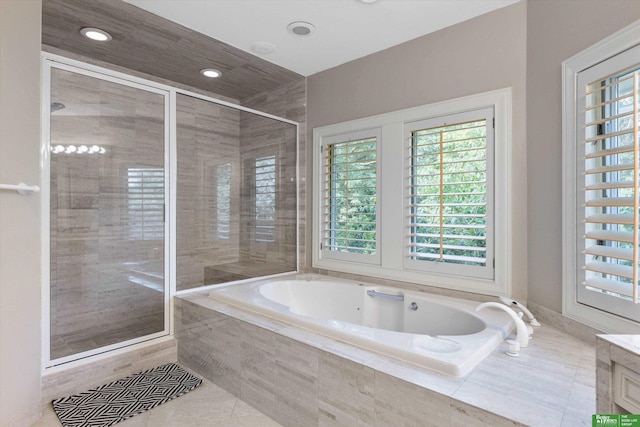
x=258, y=154
x=268, y=145
x=208, y=223
x=289, y=101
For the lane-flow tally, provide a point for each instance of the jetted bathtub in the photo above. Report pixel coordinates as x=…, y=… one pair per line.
x=436, y=332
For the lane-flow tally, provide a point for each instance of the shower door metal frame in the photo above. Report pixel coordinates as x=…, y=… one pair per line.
x=50, y=62
x=174, y=165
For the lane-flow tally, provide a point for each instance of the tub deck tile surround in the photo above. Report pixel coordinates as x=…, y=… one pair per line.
x=345, y=392
x=299, y=378
x=296, y=382
x=570, y=326
x=393, y=395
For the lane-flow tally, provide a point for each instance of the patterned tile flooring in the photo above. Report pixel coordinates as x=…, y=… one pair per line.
x=207, y=405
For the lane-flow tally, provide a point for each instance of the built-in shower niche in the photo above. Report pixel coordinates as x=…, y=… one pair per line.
x=236, y=194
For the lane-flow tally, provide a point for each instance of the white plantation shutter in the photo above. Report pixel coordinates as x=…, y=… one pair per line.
x=265, y=181
x=609, y=150
x=437, y=208
x=145, y=203
x=223, y=201
x=449, y=194
x=350, y=199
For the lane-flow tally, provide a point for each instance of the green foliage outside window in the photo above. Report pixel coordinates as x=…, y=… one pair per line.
x=449, y=193
x=352, y=196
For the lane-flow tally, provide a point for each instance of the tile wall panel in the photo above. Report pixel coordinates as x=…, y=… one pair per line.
x=288, y=101
x=208, y=138
x=262, y=138
x=211, y=344
x=150, y=44
x=345, y=392
x=106, y=281
x=296, y=382
x=399, y=403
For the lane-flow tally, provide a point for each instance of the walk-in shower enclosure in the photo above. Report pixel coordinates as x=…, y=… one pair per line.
x=150, y=190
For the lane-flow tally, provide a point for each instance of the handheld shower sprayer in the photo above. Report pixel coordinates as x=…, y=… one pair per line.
x=515, y=304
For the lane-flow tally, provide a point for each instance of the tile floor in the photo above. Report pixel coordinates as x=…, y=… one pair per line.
x=207, y=405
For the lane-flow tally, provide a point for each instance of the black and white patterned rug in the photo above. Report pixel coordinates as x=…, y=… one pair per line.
x=111, y=403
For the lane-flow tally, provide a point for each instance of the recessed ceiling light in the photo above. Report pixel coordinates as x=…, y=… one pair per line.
x=96, y=34
x=263, y=48
x=211, y=73
x=368, y=1
x=301, y=28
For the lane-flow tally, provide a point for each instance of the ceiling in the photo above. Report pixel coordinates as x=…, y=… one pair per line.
x=158, y=48
x=344, y=29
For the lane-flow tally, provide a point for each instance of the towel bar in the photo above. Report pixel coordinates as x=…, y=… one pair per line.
x=22, y=189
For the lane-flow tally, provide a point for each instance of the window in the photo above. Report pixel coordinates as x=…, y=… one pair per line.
x=449, y=194
x=611, y=153
x=602, y=202
x=223, y=201
x=349, y=201
x=265, y=180
x=145, y=203
x=415, y=195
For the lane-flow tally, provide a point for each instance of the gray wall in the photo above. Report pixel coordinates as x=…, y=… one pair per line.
x=479, y=55
x=19, y=216
x=521, y=46
x=557, y=30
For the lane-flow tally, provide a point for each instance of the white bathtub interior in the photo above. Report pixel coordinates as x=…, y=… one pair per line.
x=442, y=334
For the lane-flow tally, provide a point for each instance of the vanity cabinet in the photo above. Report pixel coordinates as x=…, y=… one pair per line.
x=626, y=388
x=618, y=374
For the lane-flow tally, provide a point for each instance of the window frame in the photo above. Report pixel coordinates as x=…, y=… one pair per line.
x=486, y=271
x=393, y=162
x=342, y=138
x=607, y=49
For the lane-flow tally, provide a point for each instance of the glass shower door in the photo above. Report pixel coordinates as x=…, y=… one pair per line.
x=236, y=194
x=108, y=180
